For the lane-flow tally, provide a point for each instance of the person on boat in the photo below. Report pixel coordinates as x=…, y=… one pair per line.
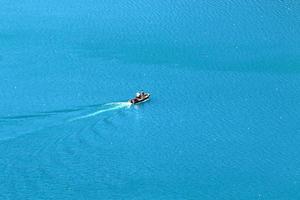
x=138, y=95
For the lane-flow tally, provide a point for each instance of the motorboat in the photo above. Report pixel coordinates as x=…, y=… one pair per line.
x=141, y=97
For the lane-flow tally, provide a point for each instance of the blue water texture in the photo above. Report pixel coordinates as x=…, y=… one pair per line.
x=222, y=122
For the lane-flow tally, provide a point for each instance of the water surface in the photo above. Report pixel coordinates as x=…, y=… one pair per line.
x=223, y=121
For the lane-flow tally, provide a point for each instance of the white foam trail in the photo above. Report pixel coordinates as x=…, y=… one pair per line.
x=114, y=106
x=117, y=103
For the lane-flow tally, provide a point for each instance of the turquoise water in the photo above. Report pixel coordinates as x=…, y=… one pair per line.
x=223, y=121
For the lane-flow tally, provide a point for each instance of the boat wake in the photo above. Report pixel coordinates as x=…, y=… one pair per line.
x=106, y=107
x=14, y=126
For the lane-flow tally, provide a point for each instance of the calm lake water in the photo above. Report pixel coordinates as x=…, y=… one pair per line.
x=223, y=121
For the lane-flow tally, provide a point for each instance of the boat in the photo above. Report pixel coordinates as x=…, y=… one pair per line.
x=141, y=97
